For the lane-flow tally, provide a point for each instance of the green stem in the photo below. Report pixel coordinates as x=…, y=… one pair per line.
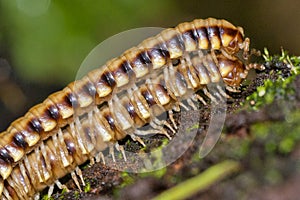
x=200, y=182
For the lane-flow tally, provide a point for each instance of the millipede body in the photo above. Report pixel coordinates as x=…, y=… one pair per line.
x=89, y=115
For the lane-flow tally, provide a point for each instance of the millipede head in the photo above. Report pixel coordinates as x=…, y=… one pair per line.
x=232, y=71
x=233, y=40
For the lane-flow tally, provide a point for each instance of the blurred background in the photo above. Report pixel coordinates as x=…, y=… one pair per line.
x=43, y=42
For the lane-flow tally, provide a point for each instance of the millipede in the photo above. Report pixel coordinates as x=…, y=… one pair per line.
x=76, y=124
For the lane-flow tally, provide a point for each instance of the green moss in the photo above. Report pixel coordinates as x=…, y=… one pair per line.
x=76, y=194
x=279, y=136
x=45, y=197
x=157, y=160
x=261, y=130
x=87, y=187
x=286, y=145
x=281, y=87
x=156, y=173
x=270, y=147
x=62, y=193
x=195, y=126
x=127, y=179
x=238, y=148
x=273, y=176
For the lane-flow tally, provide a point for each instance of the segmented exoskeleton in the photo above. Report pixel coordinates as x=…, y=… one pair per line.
x=86, y=137
x=50, y=131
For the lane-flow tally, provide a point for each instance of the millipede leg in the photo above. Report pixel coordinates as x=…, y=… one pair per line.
x=222, y=92
x=176, y=107
x=214, y=56
x=145, y=132
x=121, y=148
x=91, y=123
x=172, y=118
x=137, y=138
x=160, y=129
x=191, y=103
x=78, y=139
x=37, y=155
x=198, y=97
x=79, y=173
x=82, y=140
x=255, y=66
x=184, y=106
x=255, y=52
x=50, y=190
x=58, y=140
x=152, y=131
x=27, y=186
x=12, y=180
x=37, y=196
x=232, y=89
x=47, y=170
x=164, y=132
x=245, y=46
x=155, y=126
x=6, y=194
x=212, y=98
x=24, y=186
x=112, y=152
x=74, y=177
x=219, y=96
x=227, y=55
x=245, y=73
x=92, y=160
x=61, y=186
x=100, y=157
x=163, y=122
